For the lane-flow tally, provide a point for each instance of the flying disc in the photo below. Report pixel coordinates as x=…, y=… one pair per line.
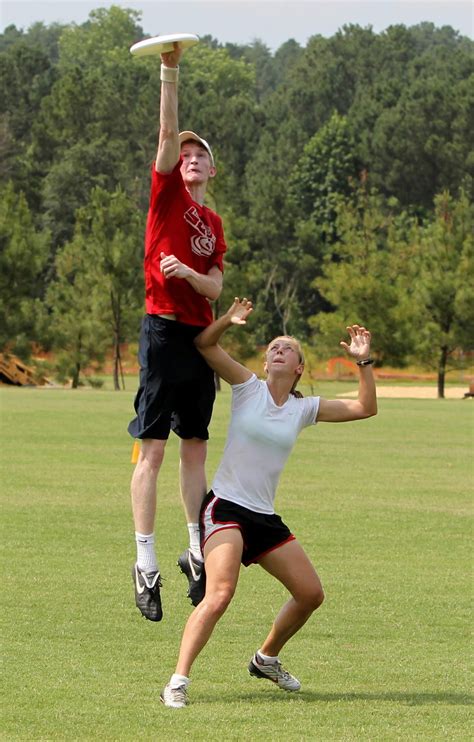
x=160, y=44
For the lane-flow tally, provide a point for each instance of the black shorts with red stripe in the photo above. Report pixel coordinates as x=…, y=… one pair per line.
x=261, y=532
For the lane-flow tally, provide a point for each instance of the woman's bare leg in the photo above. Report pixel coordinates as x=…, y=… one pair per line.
x=291, y=566
x=222, y=555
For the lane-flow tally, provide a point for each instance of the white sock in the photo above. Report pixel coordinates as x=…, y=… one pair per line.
x=146, y=557
x=177, y=680
x=195, y=540
x=267, y=658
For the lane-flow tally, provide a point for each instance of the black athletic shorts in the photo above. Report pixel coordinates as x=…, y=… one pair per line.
x=177, y=388
x=261, y=533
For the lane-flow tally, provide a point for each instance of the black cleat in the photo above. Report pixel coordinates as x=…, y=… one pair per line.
x=194, y=570
x=147, y=593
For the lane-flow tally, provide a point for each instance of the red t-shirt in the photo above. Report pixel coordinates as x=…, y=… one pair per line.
x=179, y=226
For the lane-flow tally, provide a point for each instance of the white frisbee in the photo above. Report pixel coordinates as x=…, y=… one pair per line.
x=160, y=44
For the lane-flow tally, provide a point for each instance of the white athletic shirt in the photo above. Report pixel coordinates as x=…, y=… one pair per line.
x=259, y=440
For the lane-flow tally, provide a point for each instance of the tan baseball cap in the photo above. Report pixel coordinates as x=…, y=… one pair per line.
x=185, y=136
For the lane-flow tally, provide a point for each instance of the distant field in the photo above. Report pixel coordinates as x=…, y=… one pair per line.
x=383, y=507
x=413, y=391
x=455, y=385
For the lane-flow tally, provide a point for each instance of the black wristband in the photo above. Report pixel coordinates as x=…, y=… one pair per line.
x=365, y=362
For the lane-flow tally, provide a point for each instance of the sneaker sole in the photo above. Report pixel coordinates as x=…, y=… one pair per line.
x=256, y=673
x=149, y=618
x=172, y=707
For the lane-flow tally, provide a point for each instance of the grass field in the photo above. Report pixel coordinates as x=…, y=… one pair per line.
x=383, y=509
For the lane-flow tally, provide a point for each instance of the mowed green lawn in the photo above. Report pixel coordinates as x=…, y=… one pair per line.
x=381, y=506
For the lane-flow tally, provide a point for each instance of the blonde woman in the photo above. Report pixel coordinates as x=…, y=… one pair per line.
x=238, y=521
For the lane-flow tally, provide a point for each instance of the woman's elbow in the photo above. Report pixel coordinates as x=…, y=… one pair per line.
x=204, y=350
x=200, y=339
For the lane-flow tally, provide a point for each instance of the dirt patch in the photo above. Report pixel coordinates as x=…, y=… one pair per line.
x=414, y=392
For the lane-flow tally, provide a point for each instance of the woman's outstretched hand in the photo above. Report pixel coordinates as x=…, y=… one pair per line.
x=359, y=347
x=239, y=311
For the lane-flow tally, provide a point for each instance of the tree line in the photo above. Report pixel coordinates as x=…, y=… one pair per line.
x=345, y=181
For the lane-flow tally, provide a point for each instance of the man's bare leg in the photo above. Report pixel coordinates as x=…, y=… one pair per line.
x=146, y=573
x=192, y=472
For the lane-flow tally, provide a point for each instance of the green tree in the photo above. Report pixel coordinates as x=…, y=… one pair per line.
x=76, y=329
x=407, y=95
x=413, y=113
x=78, y=112
x=109, y=233
x=260, y=57
x=89, y=131
x=96, y=300
x=327, y=170
x=270, y=69
x=9, y=152
x=273, y=263
x=23, y=255
x=38, y=34
x=442, y=280
x=26, y=78
x=218, y=99
x=98, y=127
x=363, y=277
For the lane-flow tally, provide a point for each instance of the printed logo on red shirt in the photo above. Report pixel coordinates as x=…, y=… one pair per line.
x=204, y=242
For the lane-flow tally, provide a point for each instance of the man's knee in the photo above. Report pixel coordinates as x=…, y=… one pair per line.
x=152, y=453
x=193, y=451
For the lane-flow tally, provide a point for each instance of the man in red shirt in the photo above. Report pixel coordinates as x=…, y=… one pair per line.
x=184, y=248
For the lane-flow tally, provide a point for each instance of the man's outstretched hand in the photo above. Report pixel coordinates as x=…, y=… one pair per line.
x=172, y=59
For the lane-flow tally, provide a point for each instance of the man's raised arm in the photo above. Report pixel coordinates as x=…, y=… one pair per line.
x=168, y=142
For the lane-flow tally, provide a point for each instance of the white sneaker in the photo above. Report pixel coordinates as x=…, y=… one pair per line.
x=274, y=672
x=176, y=697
